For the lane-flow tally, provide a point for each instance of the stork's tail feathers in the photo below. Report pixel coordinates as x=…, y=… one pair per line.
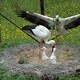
x=24, y=28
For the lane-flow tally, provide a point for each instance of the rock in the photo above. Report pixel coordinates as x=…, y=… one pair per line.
x=23, y=60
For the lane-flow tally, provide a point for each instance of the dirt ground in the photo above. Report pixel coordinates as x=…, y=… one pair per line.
x=24, y=59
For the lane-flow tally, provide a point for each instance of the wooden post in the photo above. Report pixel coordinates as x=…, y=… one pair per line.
x=42, y=6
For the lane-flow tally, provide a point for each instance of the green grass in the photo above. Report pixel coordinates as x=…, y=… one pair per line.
x=6, y=75
x=12, y=36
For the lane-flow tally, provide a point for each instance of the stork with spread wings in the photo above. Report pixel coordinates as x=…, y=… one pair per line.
x=57, y=23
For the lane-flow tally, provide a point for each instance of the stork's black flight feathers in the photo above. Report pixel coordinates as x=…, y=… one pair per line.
x=32, y=18
x=67, y=23
x=29, y=28
x=73, y=24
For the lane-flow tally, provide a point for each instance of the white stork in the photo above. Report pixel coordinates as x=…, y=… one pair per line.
x=53, y=57
x=43, y=34
x=57, y=22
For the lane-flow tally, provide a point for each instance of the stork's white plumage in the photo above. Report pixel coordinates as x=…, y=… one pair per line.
x=42, y=33
x=44, y=56
x=53, y=57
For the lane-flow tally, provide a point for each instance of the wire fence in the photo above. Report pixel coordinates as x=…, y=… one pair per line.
x=10, y=34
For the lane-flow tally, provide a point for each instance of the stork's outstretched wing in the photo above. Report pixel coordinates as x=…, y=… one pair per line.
x=72, y=22
x=67, y=23
x=35, y=18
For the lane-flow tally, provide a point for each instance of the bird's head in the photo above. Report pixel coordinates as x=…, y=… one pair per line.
x=53, y=48
x=57, y=17
x=43, y=49
x=52, y=42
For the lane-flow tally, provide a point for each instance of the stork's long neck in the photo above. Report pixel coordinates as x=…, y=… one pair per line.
x=47, y=42
x=53, y=53
x=43, y=53
x=53, y=50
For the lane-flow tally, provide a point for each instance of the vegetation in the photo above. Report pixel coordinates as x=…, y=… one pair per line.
x=11, y=36
x=6, y=75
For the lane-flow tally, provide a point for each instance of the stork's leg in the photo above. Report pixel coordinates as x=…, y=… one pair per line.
x=42, y=55
x=59, y=38
x=40, y=50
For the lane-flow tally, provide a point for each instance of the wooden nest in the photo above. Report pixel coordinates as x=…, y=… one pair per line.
x=24, y=59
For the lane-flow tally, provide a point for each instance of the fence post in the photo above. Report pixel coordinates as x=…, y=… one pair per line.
x=42, y=6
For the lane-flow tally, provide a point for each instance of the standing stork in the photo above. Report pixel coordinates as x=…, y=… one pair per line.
x=43, y=34
x=44, y=23
x=60, y=25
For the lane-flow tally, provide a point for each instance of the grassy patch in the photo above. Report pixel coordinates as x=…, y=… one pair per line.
x=6, y=75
